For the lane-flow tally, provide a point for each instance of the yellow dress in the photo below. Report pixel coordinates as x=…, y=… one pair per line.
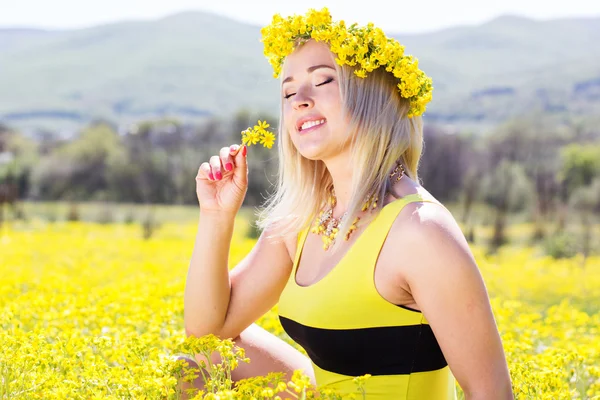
x=348, y=329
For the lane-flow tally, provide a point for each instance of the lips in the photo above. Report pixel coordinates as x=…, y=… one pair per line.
x=309, y=121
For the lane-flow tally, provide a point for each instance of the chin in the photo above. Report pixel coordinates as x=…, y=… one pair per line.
x=311, y=154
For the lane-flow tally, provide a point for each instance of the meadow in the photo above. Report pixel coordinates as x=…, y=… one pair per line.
x=93, y=310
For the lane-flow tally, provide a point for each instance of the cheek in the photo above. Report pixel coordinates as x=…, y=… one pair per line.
x=332, y=97
x=287, y=115
x=334, y=105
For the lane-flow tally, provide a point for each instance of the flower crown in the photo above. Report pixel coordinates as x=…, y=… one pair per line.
x=367, y=47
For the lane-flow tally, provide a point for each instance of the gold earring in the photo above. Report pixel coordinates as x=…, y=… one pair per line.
x=395, y=171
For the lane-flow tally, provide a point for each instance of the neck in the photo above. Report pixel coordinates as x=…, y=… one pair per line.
x=341, y=175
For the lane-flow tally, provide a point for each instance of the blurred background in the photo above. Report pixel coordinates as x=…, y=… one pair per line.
x=107, y=109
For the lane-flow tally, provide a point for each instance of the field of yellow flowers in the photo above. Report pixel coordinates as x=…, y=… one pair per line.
x=91, y=311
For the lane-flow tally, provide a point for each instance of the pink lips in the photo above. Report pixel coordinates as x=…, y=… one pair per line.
x=308, y=118
x=312, y=128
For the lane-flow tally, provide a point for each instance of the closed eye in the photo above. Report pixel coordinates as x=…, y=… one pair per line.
x=287, y=96
x=327, y=81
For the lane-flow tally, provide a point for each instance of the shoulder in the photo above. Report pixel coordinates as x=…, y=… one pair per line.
x=425, y=219
x=431, y=240
x=436, y=260
x=422, y=222
x=289, y=240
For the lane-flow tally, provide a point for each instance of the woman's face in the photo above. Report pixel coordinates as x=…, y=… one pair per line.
x=312, y=106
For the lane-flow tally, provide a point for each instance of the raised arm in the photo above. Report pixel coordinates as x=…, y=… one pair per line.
x=226, y=302
x=216, y=300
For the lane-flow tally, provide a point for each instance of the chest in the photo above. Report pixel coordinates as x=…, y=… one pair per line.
x=316, y=265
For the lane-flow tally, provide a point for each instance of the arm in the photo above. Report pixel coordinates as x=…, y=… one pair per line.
x=226, y=302
x=208, y=287
x=448, y=287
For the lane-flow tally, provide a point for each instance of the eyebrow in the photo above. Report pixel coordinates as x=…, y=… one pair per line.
x=309, y=69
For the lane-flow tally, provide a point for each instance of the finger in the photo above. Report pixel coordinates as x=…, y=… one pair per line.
x=204, y=172
x=234, y=149
x=215, y=167
x=226, y=159
x=240, y=173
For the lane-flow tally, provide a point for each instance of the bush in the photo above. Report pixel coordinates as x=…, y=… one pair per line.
x=560, y=245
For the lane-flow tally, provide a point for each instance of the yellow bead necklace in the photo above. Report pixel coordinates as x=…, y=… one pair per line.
x=327, y=226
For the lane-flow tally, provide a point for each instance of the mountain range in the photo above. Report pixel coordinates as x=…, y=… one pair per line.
x=195, y=64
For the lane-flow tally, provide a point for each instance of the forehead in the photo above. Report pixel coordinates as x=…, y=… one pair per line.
x=309, y=54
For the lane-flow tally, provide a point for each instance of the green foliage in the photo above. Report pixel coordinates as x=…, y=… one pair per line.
x=507, y=187
x=587, y=198
x=580, y=164
x=77, y=169
x=561, y=245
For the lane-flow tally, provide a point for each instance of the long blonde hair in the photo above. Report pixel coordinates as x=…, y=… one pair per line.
x=381, y=136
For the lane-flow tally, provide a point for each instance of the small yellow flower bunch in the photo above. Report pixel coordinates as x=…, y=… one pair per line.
x=366, y=47
x=258, y=134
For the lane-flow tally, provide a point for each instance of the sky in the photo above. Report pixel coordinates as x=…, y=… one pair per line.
x=398, y=16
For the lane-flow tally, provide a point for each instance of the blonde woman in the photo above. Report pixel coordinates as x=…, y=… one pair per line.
x=371, y=273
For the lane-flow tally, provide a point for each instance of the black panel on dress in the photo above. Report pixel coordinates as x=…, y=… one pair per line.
x=386, y=350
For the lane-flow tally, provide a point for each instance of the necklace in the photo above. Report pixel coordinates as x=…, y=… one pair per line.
x=326, y=225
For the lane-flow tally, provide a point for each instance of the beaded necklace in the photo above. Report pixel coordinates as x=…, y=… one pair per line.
x=326, y=225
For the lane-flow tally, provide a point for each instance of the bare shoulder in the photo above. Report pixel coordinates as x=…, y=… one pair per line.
x=422, y=229
x=275, y=236
x=423, y=217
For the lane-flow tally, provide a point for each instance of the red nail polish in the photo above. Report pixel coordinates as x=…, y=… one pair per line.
x=244, y=150
x=218, y=175
x=228, y=166
x=211, y=176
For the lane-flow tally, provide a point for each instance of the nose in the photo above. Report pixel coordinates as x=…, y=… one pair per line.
x=302, y=100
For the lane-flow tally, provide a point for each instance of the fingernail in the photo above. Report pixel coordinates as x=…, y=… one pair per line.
x=244, y=150
x=228, y=166
x=233, y=148
x=211, y=176
x=218, y=175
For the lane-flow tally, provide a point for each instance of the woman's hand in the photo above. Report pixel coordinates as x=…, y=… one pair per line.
x=222, y=183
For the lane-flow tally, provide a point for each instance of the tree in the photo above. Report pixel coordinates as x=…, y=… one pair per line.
x=445, y=160
x=580, y=166
x=77, y=169
x=587, y=200
x=18, y=154
x=506, y=189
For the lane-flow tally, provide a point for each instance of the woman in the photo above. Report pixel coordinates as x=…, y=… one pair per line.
x=383, y=287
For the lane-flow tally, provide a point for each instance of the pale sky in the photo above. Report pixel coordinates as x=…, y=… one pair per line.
x=410, y=16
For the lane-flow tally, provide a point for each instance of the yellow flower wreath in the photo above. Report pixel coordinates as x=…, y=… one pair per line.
x=365, y=47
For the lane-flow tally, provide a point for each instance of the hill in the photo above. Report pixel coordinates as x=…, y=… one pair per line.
x=195, y=64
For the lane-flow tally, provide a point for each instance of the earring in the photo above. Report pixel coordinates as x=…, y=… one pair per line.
x=395, y=171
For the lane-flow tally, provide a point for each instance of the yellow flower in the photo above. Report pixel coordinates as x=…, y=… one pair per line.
x=258, y=134
x=253, y=137
x=97, y=332
x=365, y=47
x=267, y=139
x=261, y=126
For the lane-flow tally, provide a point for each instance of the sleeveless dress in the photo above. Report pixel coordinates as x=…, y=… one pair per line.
x=348, y=329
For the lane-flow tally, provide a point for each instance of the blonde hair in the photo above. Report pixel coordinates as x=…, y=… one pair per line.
x=381, y=134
